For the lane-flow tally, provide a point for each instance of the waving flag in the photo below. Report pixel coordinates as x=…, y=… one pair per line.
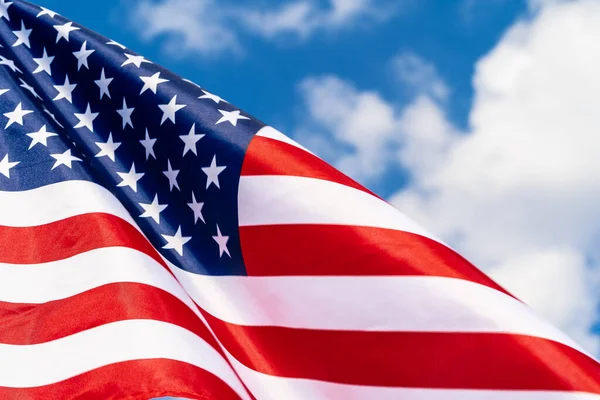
x=156, y=240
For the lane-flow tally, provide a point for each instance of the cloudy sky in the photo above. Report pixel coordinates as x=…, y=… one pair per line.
x=478, y=118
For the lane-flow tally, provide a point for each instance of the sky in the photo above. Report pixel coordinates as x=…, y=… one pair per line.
x=480, y=119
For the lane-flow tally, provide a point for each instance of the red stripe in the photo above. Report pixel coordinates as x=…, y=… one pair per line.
x=25, y=324
x=272, y=157
x=342, y=250
x=411, y=359
x=139, y=379
x=68, y=237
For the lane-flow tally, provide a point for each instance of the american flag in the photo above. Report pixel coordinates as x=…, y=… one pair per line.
x=156, y=240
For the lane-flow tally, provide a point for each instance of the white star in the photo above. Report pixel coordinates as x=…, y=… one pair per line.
x=135, y=60
x=171, y=174
x=190, y=140
x=197, y=209
x=153, y=209
x=170, y=109
x=9, y=63
x=108, y=148
x=22, y=36
x=192, y=82
x=4, y=9
x=45, y=11
x=230, y=116
x=222, y=242
x=82, y=56
x=6, y=165
x=65, y=91
x=2, y=91
x=130, y=178
x=43, y=63
x=148, y=145
x=63, y=31
x=86, y=119
x=176, y=242
x=213, y=97
x=25, y=86
x=125, y=114
x=40, y=136
x=113, y=43
x=52, y=115
x=64, y=159
x=212, y=173
x=152, y=82
x=103, y=83
x=16, y=116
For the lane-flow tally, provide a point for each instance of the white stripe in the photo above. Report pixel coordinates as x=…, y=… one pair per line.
x=51, y=362
x=390, y=303
x=267, y=387
x=272, y=133
x=40, y=283
x=58, y=201
x=277, y=200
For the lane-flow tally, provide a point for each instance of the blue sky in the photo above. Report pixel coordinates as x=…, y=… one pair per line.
x=478, y=118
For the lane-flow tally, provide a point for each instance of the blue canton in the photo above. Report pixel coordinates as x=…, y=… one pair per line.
x=77, y=106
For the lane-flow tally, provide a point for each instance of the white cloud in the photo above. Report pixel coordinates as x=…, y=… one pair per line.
x=557, y=283
x=419, y=75
x=363, y=134
x=304, y=17
x=426, y=134
x=195, y=25
x=518, y=193
x=361, y=126
x=290, y=18
x=536, y=5
x=210, y=27
x=533, y=144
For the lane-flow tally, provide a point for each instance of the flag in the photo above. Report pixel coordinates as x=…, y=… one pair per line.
x=156, y=240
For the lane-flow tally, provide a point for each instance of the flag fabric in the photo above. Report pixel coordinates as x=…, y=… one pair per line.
x=155, y=240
